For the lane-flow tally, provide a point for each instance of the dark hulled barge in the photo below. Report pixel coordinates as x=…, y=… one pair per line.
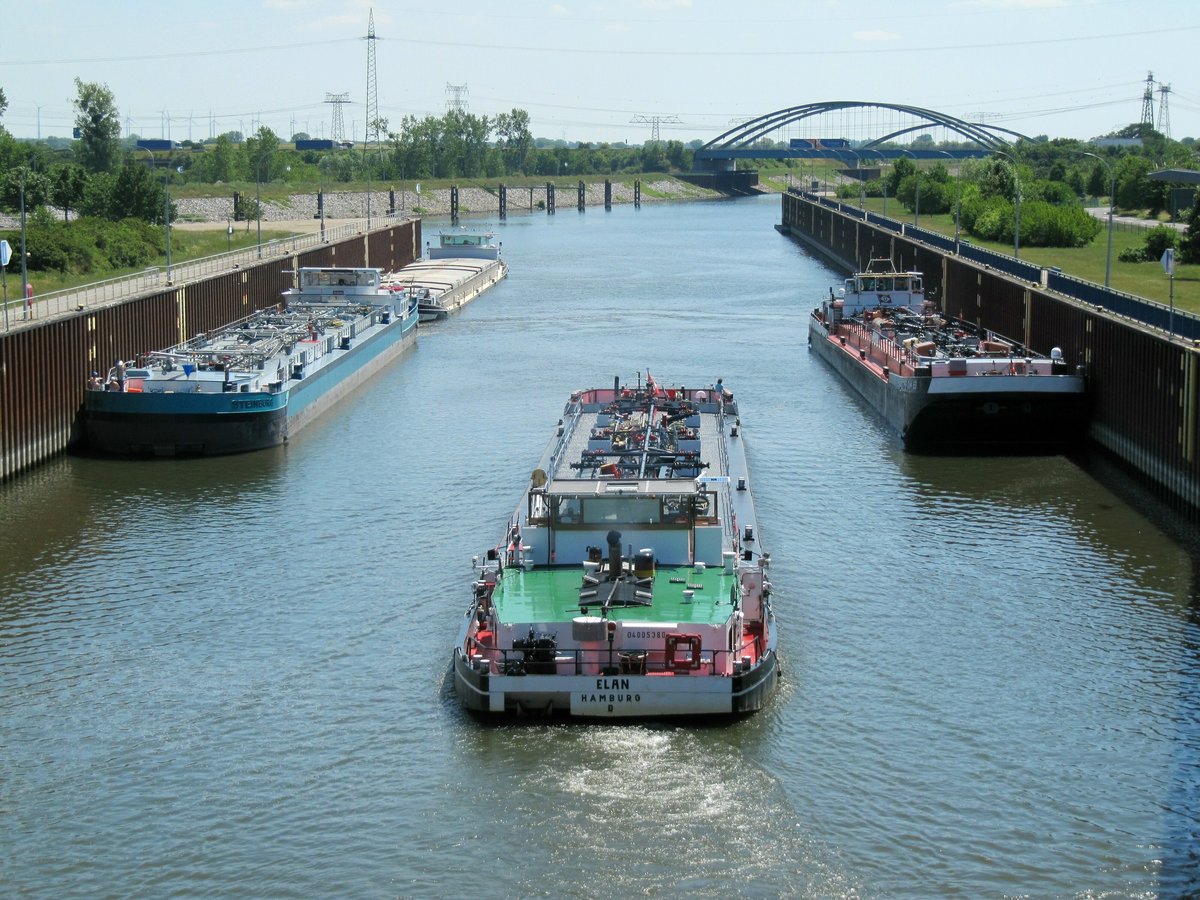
x=943, y=384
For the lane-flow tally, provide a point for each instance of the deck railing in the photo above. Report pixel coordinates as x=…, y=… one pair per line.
x=723, y=663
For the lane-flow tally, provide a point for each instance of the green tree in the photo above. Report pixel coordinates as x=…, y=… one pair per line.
x=514, y=139
x=219, y=163
x=99, y=124
x=67, y=186
x=1133, y=187
x=136, y=194
x=36, y=186
x=1189, y=246
x=265, y=164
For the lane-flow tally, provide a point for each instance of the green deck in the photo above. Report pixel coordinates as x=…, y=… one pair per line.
x=552, y=595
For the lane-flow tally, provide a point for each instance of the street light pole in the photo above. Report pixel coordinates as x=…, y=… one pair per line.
x=24, y=271
x=1112, y=199
x=167, y=221
x=957, y=193
x=166, y=212
x=321, y=203
x=258, y=199
x=1017, y=204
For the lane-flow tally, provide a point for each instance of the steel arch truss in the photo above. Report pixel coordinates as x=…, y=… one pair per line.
x=747, y=133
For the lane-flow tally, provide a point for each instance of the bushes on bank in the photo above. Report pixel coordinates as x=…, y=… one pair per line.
x=1156, y=243
x=86, y=245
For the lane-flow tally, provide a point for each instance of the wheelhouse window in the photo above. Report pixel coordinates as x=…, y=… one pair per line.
x=607, y=511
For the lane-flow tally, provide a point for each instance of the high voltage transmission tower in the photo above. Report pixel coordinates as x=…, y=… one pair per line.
x=456, y=96
x=1164, y=113
x=1148, y=101
x=372, y=132
x=338, y=130
x=654, y=122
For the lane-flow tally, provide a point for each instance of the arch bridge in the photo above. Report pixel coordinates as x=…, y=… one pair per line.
x=722, y=152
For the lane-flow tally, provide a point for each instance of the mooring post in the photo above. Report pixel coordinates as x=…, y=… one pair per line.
x=549, y=198
x=582, y=196
x=607, y=195
x=503, y=202
x=637, y=195
x=454, y=204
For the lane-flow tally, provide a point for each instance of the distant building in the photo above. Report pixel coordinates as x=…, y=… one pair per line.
x=1116, y=142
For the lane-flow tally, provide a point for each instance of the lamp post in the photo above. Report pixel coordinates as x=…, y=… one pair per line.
x=258, y=197
x=882, y=180
x=258, y=193
x=1112, y=199
x=917, y=197
x=957, y=193
x=24, y=271
x=1017, y=204
x=166, y=211
x=321, y=200
x=25, y=298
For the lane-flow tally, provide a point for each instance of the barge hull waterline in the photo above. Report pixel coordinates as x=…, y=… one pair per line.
x=617, y=696
x=947, y=422
x=204, y=434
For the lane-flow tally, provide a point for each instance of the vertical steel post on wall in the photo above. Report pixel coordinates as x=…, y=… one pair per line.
x=582, y=195
x=607, y=195
x=503, y=202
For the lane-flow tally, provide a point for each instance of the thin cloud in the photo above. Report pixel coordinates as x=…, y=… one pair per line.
x=1010, y=4
x=876, y=36
x=664, y=5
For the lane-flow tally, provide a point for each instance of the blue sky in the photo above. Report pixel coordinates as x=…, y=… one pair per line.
x=584, y=70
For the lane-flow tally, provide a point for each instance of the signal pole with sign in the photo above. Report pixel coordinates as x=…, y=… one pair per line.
x=5, y=256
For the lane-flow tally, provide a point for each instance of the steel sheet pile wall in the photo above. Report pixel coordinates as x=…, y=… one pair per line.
x=44, y=369
x=1144, y=389
x=42, y=374
x=394, y=248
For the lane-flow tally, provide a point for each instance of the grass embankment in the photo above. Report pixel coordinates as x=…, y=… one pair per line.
x=1145, y=279
x=1140, y=279
x=185, y=245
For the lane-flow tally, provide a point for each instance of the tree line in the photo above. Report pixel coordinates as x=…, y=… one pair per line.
x=1051, y=178
x=117, y=192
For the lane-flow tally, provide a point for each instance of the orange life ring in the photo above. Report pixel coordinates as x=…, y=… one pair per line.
x=683, y=652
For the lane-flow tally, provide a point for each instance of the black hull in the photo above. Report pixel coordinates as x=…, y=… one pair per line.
x=1036, y=423
x=962, y=420
x=752, y=691
x=136, y=435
